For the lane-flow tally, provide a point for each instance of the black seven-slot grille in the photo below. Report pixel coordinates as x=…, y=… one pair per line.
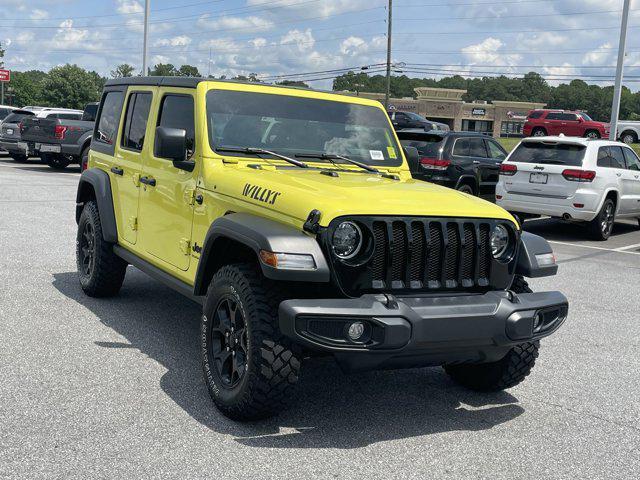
x=418, y=253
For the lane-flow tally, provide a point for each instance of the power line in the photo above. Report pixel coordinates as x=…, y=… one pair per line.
x=502, y=32
x=501, y=17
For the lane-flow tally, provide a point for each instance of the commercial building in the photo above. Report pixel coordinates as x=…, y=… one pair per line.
x=498, y=118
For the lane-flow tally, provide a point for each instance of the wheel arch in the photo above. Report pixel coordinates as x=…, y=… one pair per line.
x=470, y=180
x=95, y=185
x=613, y=194
x=240, y=236
x=636, y=134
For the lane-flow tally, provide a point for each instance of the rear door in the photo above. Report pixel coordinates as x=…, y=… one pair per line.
x=570, y=125
x=485, y=166
x=633, y=166
x=553, y=123
x=127, y=161
x=540, y=166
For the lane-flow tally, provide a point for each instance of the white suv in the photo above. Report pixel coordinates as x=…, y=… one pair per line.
x=573, y=178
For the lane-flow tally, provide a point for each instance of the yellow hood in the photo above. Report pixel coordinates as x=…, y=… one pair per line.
x=295, y=192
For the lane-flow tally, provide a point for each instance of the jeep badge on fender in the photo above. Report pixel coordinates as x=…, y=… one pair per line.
x=362, y=262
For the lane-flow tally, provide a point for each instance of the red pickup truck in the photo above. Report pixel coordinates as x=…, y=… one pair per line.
x=540, y=123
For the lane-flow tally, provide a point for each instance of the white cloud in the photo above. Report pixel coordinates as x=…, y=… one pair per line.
x=352, y=46
x=179, y=41
x=302, y=41
x=156, y=59
x=38, y=14
x=129, y=6
x=488, y=52
x=599, y=55
x=252, y=23
x=324, y=8
x=258, y=42
x=25, y=38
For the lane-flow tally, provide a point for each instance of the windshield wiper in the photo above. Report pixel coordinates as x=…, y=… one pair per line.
x=262, y=151
x=332, y=156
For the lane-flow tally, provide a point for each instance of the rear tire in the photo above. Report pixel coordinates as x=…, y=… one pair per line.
x=57, y=162
x=629, y=137
x=249, y=367
x=539, y=132
x=101, y=272
x=600, y=228
x=465, y=188
x=19, y=158
x=84, y=159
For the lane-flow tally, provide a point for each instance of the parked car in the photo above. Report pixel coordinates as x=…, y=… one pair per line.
x=294, y=222
x=10, y=134
x=543, y=122
x=60, y=137
x=469, y=162
x=5, y=110
x=629, y=131
x=592, y=181
x=402, y=120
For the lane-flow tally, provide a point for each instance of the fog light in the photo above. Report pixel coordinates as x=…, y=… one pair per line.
x=356, y=330
x=537, y=321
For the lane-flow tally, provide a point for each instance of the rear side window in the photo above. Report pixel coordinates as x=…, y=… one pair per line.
x=477, y=148
x=177, y=111
x=569, y=117
x=534, y=115
x=554, y=116
x=617, y=157
x=107, y=128
x=495, y=150
x=461, y=147
x=427, y=146
x=633, y=162
x=135, y=123
x=551, y=153
x=90, y=112
x=17, y=117
x=4, y=112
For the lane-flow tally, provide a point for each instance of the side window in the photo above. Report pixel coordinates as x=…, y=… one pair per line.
x=617, y=158
x=569, y=117
x=135, y=123
x=495, y=151
x=107, y=125
x=4, y=112
x=553, y=116
x=177, y=111
x=461, y=147
x=633, y=162
x=52, y=115
x=604, y=159
x=534, y=115
x=477, y=148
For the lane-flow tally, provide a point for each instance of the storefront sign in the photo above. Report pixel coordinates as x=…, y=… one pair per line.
x=479, y=111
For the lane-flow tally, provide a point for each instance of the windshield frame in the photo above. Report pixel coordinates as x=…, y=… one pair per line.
x=391, y=137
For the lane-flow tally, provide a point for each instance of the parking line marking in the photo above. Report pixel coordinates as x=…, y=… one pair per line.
x=637, y=245
x=614, y=250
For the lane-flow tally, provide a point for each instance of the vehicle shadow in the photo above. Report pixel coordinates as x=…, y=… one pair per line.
x=330, y=409
x=562, y=231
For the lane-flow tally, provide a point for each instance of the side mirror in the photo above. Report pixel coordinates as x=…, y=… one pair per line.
x=413, y=158
x=171, y=143
x=580, y=119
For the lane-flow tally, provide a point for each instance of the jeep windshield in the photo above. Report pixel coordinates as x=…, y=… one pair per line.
x=308, y=127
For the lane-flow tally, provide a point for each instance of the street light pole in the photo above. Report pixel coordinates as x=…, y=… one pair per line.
x=389, y=21
x=146, y=32
x=617, y=90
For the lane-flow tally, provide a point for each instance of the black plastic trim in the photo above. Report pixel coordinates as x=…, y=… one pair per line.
x=156, y=273
x=259, y=233
x=98, y=181
x=527, y=265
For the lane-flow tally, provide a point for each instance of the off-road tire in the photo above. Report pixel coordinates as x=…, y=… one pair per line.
x=465, y=188
x=505, y=373
x=595, y=227
x=592, y=134
x=628, y=138
x=538, y=132
x=106, y=272
x=272, y=362
x=57, y=162
x=19, y=158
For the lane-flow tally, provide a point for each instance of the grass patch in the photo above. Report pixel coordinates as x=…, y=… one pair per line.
x=510, y=143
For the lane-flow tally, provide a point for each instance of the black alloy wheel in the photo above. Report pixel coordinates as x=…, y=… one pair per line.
x=229, y=345
x=87, y=249
x=607, y=220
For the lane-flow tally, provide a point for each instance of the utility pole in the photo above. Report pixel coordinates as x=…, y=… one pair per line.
x=617, y=90
x=144, y=42
x=388, y=89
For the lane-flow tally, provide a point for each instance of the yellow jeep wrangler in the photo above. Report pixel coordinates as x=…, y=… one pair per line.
x=292, y=217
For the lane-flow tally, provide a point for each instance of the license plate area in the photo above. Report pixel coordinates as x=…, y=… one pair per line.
x=540, y=178
x=49, y=148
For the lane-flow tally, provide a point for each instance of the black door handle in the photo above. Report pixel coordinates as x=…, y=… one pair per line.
x=199, y=199
x=148, y=181
x=117, y=170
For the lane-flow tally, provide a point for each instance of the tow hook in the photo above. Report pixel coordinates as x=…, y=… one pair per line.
x=388, y=300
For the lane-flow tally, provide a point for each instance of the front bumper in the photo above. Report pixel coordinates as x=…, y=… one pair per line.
x=421, y=331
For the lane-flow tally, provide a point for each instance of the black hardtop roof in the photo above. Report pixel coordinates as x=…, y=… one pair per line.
x=188, y=82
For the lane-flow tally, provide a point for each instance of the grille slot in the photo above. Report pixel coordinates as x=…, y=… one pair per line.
x=380, y=253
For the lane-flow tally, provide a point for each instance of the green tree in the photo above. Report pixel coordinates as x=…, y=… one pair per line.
x=27, y=88
x=292, y=83
x=1, y=55
x=163, y=70
x=122, y=71
x=70, y=86
x=189, y=71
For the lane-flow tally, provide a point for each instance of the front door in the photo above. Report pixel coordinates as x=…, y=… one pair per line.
x=624, y=178
x=633, y=177
x=166, y=201
x=127, y=160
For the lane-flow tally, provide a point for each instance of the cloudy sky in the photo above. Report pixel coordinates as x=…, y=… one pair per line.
x=560, y=39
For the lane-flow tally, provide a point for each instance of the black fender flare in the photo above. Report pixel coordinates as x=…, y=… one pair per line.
x=474, y=178
x=257, y=234
x=98, y=181
x=527, y=264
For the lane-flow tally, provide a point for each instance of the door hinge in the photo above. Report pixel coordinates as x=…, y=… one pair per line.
x=190, y=195
x=136, y=179
x=133, y=223
x=185, y=245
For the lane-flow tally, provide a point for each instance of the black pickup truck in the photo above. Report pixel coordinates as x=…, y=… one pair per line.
x=60, y=142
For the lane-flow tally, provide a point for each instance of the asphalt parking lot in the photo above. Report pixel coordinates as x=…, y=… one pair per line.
x=113, y=388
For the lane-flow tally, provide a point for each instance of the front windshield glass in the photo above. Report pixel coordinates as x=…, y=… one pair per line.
x=292, y=126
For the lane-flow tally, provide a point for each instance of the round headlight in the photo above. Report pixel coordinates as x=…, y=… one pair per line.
x=347, y=240
x=500, y=242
